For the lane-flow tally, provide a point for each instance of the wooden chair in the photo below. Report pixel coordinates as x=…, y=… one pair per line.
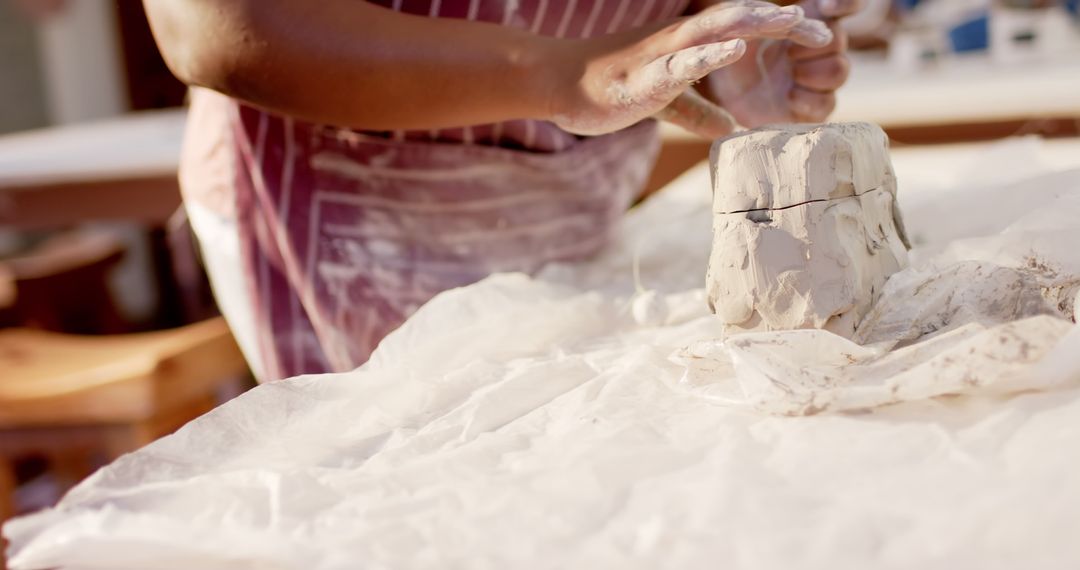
x=7, y=295
x=62, y=284
x=68, y=395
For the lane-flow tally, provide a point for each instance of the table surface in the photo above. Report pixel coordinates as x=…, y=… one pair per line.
x=1052, y=154
x=959, y=90
x=970, y=89
x=139, y=145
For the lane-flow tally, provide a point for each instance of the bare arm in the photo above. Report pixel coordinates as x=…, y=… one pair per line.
x=352, y=63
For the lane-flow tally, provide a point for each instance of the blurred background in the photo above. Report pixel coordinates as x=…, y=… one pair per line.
x=109, y=336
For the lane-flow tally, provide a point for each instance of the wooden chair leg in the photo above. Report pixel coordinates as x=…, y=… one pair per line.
x=71, y=466
x=7, y=501
x=126, y=438
x=7, y=489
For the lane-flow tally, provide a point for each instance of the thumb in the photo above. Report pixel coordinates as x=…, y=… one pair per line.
x=698, y=115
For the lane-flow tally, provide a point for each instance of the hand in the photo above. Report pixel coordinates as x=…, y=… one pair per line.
x=799, y=82
x=625, y=78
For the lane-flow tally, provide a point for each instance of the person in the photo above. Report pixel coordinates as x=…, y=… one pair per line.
x=346, y=160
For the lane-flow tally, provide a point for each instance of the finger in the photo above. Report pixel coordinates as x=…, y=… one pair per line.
x=838, y=44
x=667, y=76
x=751, y=4
x=811, y=106
x=726, y=22
x=809, y=30
x=822, y=74
x=698, y=115
x=811, y=34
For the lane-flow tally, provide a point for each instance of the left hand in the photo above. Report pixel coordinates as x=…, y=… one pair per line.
x=799, y=83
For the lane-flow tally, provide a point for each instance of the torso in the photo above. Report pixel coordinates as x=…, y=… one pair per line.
x=341, y=234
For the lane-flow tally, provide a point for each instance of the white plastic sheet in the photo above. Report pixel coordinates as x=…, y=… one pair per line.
x=534, y=423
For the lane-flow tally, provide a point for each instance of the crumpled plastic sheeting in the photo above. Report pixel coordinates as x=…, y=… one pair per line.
x=958, y=322
x=809, y=371
x=534, y=423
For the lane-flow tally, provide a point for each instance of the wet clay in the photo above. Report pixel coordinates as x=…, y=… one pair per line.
x=806, y=227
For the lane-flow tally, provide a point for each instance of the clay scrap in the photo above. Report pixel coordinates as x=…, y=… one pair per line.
x=806, y=227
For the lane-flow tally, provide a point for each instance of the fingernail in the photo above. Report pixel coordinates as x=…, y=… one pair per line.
x=735, y=46
x=788, y=17
x=821, y=31
x=829, y=7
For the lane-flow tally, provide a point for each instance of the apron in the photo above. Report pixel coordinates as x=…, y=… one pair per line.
x=320, y=240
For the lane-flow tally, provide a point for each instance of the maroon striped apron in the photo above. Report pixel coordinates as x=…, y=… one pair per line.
x=343, y=234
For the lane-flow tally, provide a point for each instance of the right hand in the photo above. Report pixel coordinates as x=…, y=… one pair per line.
x=624, y=78
x=778, y=82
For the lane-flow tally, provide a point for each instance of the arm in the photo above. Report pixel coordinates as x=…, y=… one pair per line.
x=352, y=63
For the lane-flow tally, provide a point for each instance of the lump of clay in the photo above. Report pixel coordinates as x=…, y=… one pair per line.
x=806, y=228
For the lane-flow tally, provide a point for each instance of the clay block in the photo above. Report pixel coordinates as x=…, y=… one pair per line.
x=806, y=228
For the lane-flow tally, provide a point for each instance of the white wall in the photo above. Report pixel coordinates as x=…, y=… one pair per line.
x=22, y=98
x=80, y=54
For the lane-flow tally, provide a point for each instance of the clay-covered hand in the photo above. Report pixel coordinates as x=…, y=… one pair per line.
x=799, y=82
x=621, y=79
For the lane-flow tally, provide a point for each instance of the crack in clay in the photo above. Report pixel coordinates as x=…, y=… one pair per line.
x=819, y=254
x=752, y=210
x=782, y=208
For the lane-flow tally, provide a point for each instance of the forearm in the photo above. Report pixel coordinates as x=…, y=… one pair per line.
x=353, y=63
